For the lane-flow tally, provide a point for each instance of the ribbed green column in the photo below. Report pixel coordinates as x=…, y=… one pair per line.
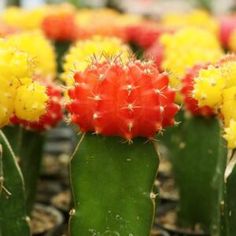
x=13, y=218
x=198, y=155
x=228, y=204
x=28, y=147
x=112, y=186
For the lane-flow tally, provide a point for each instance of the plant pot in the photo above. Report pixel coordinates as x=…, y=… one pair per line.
x=45, y=220
x=167, y=218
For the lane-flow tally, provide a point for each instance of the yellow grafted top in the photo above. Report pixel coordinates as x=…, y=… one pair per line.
x=24, y=19
x=16, y=70
x=32, y=19
x=208, y=87
x=39, y=48
x=186, y=48
x=195, y=18
x=30, y=101
x=229, y=104
x=216, y=87
x=81, y=54
x=230, y=134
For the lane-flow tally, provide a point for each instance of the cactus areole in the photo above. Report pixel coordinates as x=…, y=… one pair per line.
x=112, y=181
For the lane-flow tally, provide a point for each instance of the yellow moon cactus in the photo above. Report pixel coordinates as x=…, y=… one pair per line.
x=80, y=55
x=230, y=134
x=39, y=48
x=186, y=48
x=30, y=101
x=216, y=87
x=20, y=95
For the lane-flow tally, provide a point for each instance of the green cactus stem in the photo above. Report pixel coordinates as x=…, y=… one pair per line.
x=28, y=147
x=218, y=221
x=61, y=49
x=228, y=204
x=31, y=158
x=198, y=154
x=137, y=50
x=13, y=218
x=112, y=186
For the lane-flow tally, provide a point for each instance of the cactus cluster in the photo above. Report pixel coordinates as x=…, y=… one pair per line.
x=196, y=18
x=31, y=19
x=119, y=105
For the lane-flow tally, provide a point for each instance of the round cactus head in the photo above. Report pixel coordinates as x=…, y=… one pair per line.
x=122, y=99
x=190, y=103
x=60, y=27
x=215, y=87
x=20, y=94
x=53, y=114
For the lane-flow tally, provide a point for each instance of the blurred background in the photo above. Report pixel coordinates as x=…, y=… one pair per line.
x=147, y=7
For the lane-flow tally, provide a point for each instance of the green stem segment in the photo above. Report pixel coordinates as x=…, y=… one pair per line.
x=61, y=49
x=112, y=185
x=30, y=160
x=13, y=218
x=28, y=146
x=229, y=216
x=198, y=154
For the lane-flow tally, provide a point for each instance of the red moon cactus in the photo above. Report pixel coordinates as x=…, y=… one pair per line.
x=61, y=27
x=127, y=100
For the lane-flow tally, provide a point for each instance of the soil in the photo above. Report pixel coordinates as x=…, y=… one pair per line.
x=44, y=219
x=46, y=189
x=55, y=166
x=62, y=201
x=164, y=168
x=167, y=189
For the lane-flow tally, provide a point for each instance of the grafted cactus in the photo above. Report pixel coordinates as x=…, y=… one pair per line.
x=112, y=182
x=208, y=90
x=27, y=139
